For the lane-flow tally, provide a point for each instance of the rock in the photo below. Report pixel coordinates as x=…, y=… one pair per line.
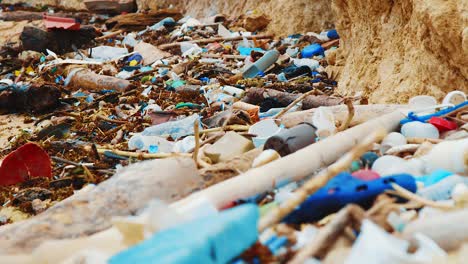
x=395, y=50
x=288, y=17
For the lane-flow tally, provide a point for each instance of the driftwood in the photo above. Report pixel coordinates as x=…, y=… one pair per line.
x=295, y=166
x=88, y=212
x=212, y=40
x=362, y=113
x=327, y=236
x=138, y=21
x=449, y=229
x=320, y=180
x=283, y=99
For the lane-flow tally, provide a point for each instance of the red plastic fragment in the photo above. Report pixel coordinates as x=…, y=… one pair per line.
x=442, y=124
x=366, y=175
x=28, y=161
x=52, y=22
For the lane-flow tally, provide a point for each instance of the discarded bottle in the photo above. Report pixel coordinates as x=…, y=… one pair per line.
x=86, y=79
x=261, y=65
x=175, y=129
x=293, y=139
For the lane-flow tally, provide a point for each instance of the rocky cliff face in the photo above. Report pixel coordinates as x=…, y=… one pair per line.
x=287, y=17
x=394, y=50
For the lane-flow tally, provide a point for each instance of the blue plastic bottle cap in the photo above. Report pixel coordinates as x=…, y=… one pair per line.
x=332, y=34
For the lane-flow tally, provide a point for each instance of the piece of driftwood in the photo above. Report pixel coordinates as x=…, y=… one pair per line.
x=91, y=211
x=139, y=21
x=320, y=180
x=449, y=229
x=283, y=99
x=295, y=166
x=326, y=237
x=212, y=40
x=362, y=113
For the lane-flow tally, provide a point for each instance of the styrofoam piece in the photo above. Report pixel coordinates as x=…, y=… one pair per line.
x=419, y=129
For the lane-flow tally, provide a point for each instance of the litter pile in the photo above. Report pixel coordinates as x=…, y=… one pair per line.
x=159, y=137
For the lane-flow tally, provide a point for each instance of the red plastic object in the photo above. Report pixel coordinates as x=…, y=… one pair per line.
x=52, y=22
x=366, y=175
x=442, y=124
x=28, y=161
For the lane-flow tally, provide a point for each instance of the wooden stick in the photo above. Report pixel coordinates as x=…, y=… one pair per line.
x=292, y=167
x=115, y=33
x=326, y=237
x=196, y=129
x=225, y=128
x=416, y=140
x=300, y=98
x=349, y=104
x=413, y=197
x=317, y=182
x=211, y=40
x=142, y=155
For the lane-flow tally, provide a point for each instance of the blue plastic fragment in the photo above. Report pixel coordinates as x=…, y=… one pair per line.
x=217, y=239
x=136, y=57
x=153, y=149
x=277, y=243
x=332, y=34
x=312, y=50
x=434, y=177
x=245, y=51
x=413, y=117
x=343, y=190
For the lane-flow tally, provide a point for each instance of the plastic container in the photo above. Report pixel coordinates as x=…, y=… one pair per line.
x=107, y=53
x=293, y=139
x=175, y=129
x=261, y=64
x=140, y=142
x=454, y=97
x=419, y=129
x=264, y=130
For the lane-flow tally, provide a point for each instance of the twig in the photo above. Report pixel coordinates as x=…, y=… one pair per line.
x=144, y=155
x=89, y=175
x=326, y=237
x=413, y=197
x=212, y=40
x=225, y=128
x=300, y=98
x=111, y=120
x=317, y=182
x=196, y=129
x=349, y=104
x=62, y=160
x=115, y=33
x=417, y=140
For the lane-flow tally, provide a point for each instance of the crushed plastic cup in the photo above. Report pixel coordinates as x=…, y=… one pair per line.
x=454, y=97
x=264, y=130
x=175, y=129
x=107, y=53
x=419, y=129
x=141, y=142
x=422, y=101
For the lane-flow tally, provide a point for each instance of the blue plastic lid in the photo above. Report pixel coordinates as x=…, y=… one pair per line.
x=312, y=50
x=332, y=34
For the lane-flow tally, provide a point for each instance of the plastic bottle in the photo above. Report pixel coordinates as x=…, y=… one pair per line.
x=312, y=50
x=293, y=139
x=261, y=64
x=175, y=129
